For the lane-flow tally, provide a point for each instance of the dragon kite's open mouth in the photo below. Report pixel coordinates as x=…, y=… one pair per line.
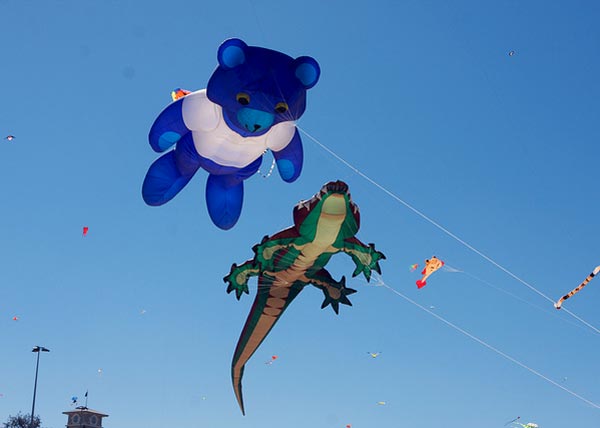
x=334, y=187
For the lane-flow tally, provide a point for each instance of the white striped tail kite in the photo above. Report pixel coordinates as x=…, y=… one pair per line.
x=576, y=290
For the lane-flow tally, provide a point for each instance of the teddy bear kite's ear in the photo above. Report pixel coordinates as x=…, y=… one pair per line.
x=231, y=53
x=307, y=71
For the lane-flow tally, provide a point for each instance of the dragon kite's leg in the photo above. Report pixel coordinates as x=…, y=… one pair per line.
x=335, y=291
x=558, y=304
x=270, y=302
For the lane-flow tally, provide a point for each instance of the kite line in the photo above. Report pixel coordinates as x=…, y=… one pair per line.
x=496, y=350
x=439, y=226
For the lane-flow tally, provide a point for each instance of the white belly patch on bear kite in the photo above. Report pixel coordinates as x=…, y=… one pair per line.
x=214, y=140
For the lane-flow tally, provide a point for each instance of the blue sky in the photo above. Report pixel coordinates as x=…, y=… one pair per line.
x=421, y=97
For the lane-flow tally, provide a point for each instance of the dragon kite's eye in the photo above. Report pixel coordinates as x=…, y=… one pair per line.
x=281, y=108
x=243, y=98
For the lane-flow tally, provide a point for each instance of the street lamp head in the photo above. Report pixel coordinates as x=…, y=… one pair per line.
x=40, y=349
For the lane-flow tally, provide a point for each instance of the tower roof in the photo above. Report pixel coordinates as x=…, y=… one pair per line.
x=82, y=409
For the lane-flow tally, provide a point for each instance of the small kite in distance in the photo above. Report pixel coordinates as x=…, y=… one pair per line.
x=431, y=265
x=576, y=290
x=511, y=53
x=374, y=354
x=414, y=267
x=85, y=230
x=9, y=137
x=15, y=318
x=381, y=403
x=273, y=358
x=179, y=93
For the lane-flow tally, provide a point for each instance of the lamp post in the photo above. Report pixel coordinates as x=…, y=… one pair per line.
x=37, y=349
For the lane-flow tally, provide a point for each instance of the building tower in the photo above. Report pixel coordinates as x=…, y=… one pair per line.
x=82, y=417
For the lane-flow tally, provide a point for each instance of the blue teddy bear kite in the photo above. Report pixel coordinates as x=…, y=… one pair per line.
x=250, y=105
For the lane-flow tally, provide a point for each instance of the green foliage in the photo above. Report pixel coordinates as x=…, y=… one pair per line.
x=22, y=421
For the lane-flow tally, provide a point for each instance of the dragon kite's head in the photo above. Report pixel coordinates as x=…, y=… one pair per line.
x=333, y=202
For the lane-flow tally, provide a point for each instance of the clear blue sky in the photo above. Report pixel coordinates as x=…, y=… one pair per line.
x=422, y=97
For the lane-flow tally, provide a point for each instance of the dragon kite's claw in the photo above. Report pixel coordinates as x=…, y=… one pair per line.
x=237, y=279
x=339, y=296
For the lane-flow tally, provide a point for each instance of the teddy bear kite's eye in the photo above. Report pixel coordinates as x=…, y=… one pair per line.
x=281, y=108
x=243, y=98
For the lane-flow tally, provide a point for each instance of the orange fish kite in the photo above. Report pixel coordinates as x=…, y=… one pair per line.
x=431, y=266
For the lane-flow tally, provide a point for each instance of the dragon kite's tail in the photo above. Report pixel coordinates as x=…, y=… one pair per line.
x=266, y=310
x=558, y=304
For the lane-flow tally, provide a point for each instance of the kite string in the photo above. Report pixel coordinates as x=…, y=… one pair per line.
x=436, y=224
x=552, y=312
x=581, y=320
x=267, y=288
x=487, y=345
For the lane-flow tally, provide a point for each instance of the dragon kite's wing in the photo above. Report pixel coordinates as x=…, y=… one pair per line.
x=576, y=290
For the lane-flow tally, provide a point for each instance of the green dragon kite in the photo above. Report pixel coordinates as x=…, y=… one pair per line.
x=292, y=258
